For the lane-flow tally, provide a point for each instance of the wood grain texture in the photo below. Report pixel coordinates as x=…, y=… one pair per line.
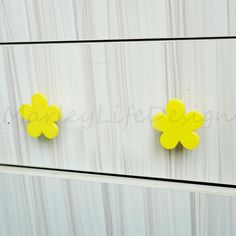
x=36, y=20
x=108, y=92
x=50, y=206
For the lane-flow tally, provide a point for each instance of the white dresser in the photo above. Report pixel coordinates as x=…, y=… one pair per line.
x=111, y=65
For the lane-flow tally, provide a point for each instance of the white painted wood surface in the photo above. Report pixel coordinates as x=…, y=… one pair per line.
x=121, y=180
x=41, y=206
x=98, y=85
x=35, y=20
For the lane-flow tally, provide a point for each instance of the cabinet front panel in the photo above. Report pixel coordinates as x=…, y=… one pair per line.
x=52, y=206
x=35, y=20
x=108, y=93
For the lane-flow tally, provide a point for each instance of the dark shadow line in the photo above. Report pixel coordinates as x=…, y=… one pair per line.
x=118, y=40
x=126, y=176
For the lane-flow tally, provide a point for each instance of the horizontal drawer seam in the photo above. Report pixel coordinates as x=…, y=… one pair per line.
x=119, y=40
x=143, y=181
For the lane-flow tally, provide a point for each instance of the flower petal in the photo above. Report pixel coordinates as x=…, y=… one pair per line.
x=160, y=121
x=169, y=140
x=193, y=120
x=190, y=140
x=175, y=110
x=54, y=113
x=39, y=100
x=34, y=129
x=51, y=130
x=26, y=111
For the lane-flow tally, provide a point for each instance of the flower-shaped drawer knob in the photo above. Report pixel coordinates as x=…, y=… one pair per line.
x=42, y=117
x=178, y=126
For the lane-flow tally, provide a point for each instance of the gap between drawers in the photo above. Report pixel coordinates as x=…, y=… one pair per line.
x=118, y=40
x=109, y=178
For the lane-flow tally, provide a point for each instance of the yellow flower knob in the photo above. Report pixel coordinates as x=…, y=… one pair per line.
x=178, y=126
x=42, y=117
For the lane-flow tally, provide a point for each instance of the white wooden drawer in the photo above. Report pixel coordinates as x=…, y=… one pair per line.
x=31, y=205
x=34, y=20
x=103, y=81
